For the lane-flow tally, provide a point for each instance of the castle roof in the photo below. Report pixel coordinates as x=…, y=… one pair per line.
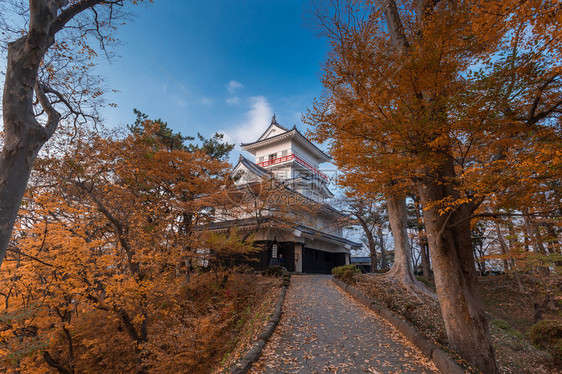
x=276, y=133
x=243, y=162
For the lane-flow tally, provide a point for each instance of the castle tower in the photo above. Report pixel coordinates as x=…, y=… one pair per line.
x=291, y=157
x=312, y=245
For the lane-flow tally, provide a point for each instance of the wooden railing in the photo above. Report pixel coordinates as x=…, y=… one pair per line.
x=291, y=157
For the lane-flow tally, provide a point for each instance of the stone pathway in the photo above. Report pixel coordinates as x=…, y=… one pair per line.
x=323, y=330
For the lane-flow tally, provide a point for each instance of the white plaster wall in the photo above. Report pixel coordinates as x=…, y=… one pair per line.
x=283, y=173
x=304, y=154
x=277, y=147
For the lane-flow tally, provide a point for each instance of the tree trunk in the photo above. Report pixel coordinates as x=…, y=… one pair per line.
x=503, y=247
x=398, y=218
x=450, y=244
x=23, y=135
x=372, y=243
x=15, y=169
x=426, y=264
x=513, y=243
x=534, y=235
x=380, y=235
x=422, y=237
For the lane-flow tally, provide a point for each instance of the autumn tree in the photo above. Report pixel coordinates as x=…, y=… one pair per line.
x=433, y=97
x=46, y=82
x=396, y=212
x=370, y=218
x=104, y=230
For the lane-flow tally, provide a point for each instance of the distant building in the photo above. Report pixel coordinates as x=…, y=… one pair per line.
x=311, y=244
x=363, y=263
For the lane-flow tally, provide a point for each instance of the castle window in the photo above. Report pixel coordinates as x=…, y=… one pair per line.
x=272, y=156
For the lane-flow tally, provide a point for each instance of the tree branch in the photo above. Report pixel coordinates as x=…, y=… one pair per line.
x=66, y=15
x=53, y=117
x=496, y=215
x=395, y=26
x=29, y=256
x=53, y=363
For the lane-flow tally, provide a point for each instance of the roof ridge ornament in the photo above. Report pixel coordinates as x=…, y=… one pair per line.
x=274, y=120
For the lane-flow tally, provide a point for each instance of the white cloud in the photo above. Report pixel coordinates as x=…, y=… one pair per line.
x=206, y=101
x=233, y=100
x=233, y=86
x=256, y=122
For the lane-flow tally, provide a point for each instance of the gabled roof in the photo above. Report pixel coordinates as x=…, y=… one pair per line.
x=244, y=163
x=294, y=133
x=273, y=130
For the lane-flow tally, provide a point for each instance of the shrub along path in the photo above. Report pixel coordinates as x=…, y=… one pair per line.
x=324, y=330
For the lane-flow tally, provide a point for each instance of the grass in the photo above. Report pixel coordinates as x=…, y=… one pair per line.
x=502, y=325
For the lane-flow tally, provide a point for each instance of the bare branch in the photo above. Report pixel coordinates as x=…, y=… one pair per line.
x=53, y=117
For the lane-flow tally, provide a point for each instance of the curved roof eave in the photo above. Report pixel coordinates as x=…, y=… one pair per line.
x=289, y=134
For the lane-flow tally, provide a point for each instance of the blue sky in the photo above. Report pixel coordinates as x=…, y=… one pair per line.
x=216, y=66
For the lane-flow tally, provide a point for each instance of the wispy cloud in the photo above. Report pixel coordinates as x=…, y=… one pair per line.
x=207, y=101
x=179, y=101
x=233, y=100
x=257, y=118
x=233, y=85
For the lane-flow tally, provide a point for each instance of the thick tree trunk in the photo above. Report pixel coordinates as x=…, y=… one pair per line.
x=398, y=218
x=23, y=135
x=450, y=245
x=15, y=169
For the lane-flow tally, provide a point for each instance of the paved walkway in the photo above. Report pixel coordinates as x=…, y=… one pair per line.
x=323, y=330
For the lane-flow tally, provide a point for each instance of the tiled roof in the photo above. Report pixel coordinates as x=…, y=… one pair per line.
x=256, y=169
x=325, y=235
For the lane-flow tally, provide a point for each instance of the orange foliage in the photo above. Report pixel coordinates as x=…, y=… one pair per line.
x=464, y=91
x=458, y=101
x=103, y=247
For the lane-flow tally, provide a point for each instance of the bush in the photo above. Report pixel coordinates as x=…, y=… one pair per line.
x=286, y=279
x=274, y=271
x=244, y=269
x=547, y=334
x=346, y=272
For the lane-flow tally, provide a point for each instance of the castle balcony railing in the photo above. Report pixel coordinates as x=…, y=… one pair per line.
x=293, y=157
